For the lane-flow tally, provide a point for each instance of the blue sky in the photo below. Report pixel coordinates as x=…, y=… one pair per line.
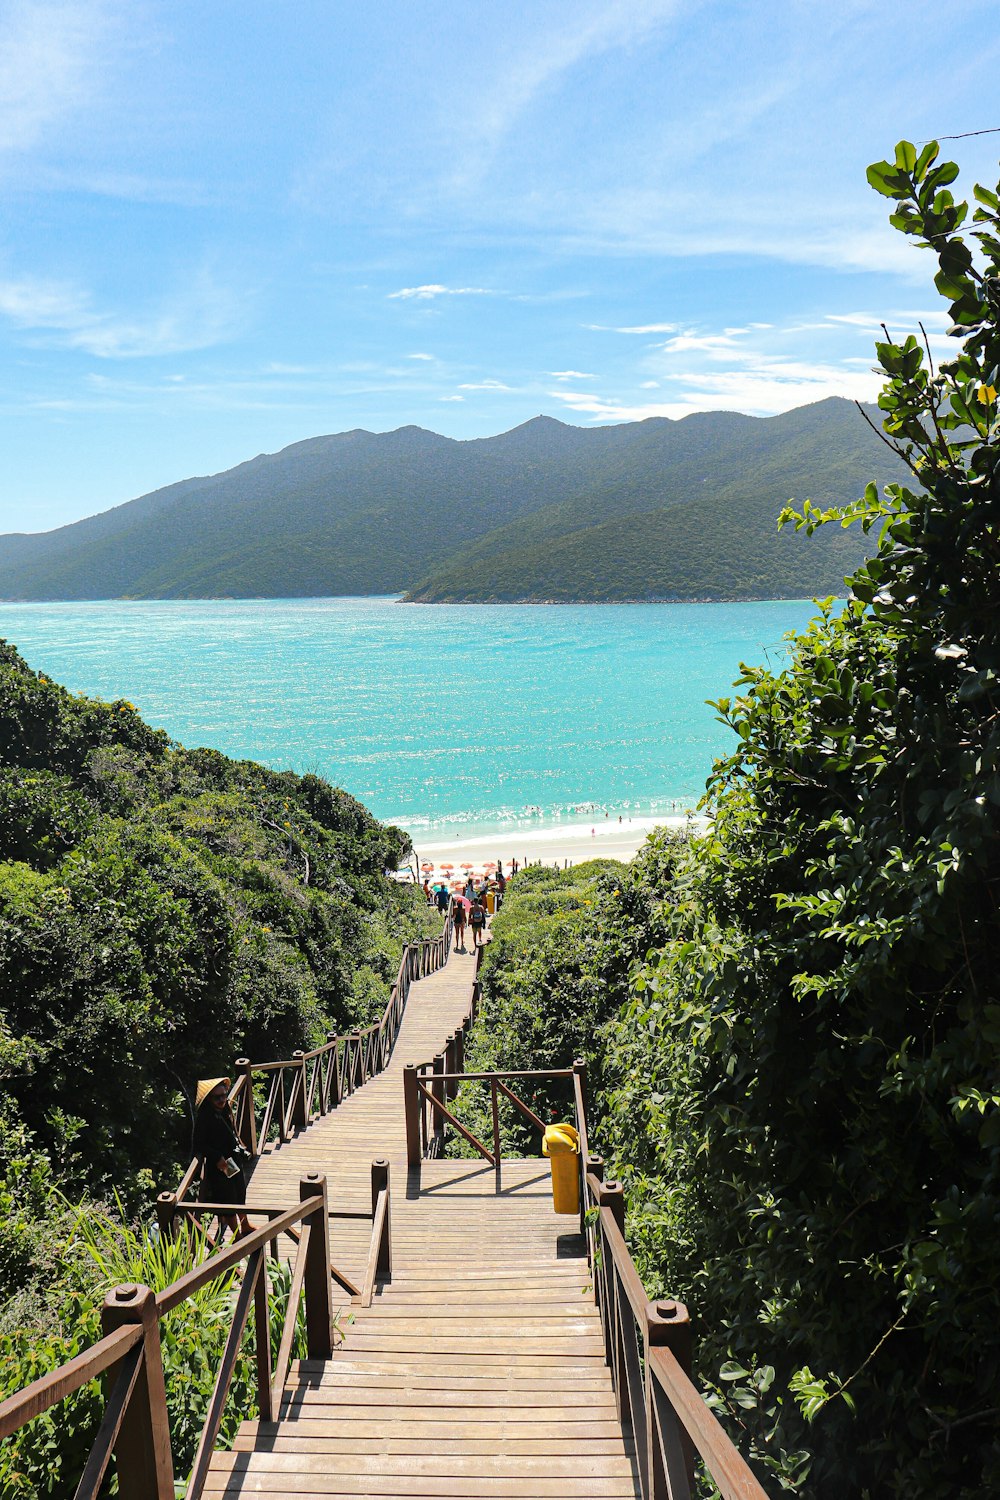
x=227, y=227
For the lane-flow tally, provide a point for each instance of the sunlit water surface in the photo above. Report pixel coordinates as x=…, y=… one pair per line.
x=450, y=718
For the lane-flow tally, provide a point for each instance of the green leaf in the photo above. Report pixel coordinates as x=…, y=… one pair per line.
x=906, y=156
x=923, y=161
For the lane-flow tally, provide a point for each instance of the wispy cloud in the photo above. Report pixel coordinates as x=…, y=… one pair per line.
x=433, y=289
x=544, y=58
x=484, y=385
x=758, y=368
x=635, y=328
x=54, y=56
x=571, y=375
x=420, y=356
x=205, y=313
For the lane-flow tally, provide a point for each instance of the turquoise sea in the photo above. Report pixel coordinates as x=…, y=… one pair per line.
x=443, y=718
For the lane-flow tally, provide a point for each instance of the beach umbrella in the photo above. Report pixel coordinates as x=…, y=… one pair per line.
x=464, y=900
x=490, y=864
x=468, y=867
x=427, y=868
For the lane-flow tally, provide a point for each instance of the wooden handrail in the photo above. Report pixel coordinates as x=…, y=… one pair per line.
x=134, y=1424
x=352, y=1059
x=192, y=1281
x=732, y=1474
x=48, y=1390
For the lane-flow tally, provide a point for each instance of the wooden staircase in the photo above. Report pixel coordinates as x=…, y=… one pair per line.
x=480, y=1369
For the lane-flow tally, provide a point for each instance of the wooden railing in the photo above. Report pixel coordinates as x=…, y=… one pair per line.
x=135, y=1427
x=272, y=1101
x=647, y=1343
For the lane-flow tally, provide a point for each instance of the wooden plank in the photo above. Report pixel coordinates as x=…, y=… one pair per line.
x=243, y=1481
x=468, y=1439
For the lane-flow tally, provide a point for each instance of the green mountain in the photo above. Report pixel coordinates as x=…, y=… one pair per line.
x=655, y=509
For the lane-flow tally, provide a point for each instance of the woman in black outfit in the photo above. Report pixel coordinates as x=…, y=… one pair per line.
x=221, y=1152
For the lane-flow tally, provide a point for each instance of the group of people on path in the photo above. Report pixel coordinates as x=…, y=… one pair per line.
x=472, y=908
x=471, y=915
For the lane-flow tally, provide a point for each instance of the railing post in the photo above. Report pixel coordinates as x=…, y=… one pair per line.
x=437, y=1089
x=316, y=1282
x=495, y=1112
x=144, y=1464
x=262, y=1330
x=411, y=1110
x=460, y=1050
x=334, y=1090
x=451, y=1066
x=595, y=1168
x=300, y=1119
x=166, y=1211
x=248, y=1117
x=613, y=1197
x=580, y=1070
x=671, y=1463
x=380, y=1180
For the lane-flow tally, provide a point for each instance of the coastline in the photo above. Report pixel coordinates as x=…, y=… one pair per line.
x=597, y=838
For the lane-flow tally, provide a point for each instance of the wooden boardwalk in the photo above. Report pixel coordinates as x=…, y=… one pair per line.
x=479, y=1371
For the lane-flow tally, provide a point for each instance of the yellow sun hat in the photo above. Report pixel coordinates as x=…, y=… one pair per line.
x=205, y=1087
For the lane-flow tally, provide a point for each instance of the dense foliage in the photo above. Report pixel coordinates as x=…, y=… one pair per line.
x=803, y=1092
x=556, y=970
x=522, y=515
x=162, y=911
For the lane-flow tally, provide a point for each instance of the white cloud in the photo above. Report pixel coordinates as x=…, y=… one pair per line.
x=571, y=375
x=636, y=328
x=718, y=345
x=485, y=385
x=51, y=312
x=433, y=289
x=768, y=386
x=609, y=409
x=451, y=398
x=420, y=356
x=758, y=368
x=53, y=57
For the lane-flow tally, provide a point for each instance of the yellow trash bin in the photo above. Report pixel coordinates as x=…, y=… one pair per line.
x=561, y=1144
x=491, y=901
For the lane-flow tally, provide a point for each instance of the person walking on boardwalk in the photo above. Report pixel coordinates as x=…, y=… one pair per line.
x=221, y=1153
x=477, y=921
x=459, y=921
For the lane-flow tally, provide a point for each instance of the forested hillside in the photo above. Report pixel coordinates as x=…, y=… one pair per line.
x=537, y=512
x=162, y=911
x=792, y=1022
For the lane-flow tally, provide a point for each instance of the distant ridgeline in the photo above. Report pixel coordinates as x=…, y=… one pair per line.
x=644, y=510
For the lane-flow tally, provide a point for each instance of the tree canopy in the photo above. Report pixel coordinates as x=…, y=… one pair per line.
x=800, y=1084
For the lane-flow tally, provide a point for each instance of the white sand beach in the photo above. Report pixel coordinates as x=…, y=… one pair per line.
x=598, y=838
